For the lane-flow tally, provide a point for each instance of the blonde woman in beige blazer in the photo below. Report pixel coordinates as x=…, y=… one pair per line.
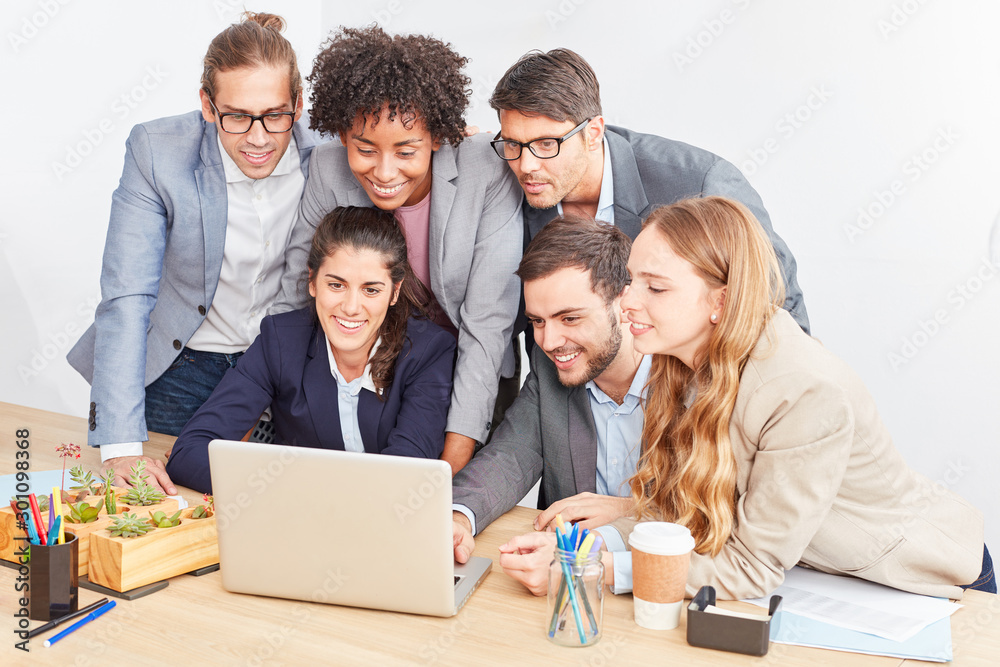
x=761, y=441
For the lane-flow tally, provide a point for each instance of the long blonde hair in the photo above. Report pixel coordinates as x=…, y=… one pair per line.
x=687, y=472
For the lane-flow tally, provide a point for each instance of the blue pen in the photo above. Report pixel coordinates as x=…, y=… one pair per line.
x=54, y=530
x=86, y=619
x=564, y=545
x=29, y=528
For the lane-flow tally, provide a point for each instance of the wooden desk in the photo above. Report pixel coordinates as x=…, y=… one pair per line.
x=195, y=622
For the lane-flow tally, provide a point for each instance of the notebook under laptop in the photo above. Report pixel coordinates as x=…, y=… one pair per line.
x=362, y=530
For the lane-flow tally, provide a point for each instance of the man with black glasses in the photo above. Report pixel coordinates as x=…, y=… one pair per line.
x=553, y=137
x=195, y=246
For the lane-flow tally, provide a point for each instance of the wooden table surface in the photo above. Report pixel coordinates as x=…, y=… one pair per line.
x=195, y=622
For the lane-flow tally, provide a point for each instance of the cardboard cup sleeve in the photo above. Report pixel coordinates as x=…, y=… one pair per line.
x=658, y=578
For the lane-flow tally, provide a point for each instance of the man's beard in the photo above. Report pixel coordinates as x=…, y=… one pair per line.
x=602, y=358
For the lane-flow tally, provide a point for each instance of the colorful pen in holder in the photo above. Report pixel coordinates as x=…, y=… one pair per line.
x=576, y=588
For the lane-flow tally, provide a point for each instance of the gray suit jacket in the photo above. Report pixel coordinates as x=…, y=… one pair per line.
x=162, y=260
x=547, y=433
x=475, y=245
x=650, y=171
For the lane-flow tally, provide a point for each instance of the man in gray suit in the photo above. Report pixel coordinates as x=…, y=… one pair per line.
x=195, y=245
x=577, y=422
x=553, y=137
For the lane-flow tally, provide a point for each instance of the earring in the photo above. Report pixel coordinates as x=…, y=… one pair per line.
x=714, y=318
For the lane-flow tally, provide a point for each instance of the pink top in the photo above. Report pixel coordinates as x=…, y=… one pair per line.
x=415, y=221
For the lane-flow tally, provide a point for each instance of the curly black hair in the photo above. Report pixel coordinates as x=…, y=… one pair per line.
x=362, y=70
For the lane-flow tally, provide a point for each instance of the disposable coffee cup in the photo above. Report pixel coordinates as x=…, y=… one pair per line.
x=661, y=553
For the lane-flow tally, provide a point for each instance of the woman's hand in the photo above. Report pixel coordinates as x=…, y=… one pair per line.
x=589, y=510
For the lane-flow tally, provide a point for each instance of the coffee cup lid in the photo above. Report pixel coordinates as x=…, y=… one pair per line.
x=661, y=538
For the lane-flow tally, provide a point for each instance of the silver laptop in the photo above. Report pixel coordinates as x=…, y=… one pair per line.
x=346, y=528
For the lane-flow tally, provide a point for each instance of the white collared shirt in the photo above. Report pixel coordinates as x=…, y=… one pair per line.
x=348, y=398
x=606, y=200
x=262, y=213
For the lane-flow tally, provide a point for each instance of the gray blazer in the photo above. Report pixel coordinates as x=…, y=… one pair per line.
x=547, y=433
x=650, y=171
x=475, y=245
x=162, y=260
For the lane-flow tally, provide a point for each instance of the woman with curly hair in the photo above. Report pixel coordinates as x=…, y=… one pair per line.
x=397, y=105
x=763, y=443
x=356, y=370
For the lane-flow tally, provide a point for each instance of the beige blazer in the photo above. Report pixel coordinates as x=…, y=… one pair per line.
x=820, y=483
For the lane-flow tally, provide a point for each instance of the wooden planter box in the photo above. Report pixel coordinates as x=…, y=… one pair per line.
x=124, y=563
x=10, y=534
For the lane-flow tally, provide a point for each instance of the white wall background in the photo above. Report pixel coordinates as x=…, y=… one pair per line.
x=882, y=107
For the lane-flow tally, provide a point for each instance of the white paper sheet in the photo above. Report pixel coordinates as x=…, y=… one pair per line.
x=858, y=605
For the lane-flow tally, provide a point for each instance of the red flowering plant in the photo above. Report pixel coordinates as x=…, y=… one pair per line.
x=69, y=451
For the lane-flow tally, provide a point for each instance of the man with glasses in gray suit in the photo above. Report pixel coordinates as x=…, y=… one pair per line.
x=568, y=162
x=195, y=245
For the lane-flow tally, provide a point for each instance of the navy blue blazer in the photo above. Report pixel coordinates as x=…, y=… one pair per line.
x=288, y=368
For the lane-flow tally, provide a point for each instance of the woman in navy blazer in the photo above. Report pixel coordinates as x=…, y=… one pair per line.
x=354, y=370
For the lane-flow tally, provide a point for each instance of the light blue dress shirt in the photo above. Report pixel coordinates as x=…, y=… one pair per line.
x=348, y=398
x=619, y=433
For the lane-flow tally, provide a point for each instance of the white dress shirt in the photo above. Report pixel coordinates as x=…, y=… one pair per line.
x=348, y=397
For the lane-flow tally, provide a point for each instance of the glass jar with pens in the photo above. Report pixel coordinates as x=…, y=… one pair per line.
x=576, y=589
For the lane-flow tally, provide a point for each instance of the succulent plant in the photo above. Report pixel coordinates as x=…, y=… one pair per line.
x=82, y=512
x=202, y=511
x=110, y=503
x=84, y=480
x=161, y=520
x=130, y=525
x=43, y=501
x=141, y=492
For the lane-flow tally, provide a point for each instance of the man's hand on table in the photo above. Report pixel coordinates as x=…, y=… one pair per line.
x=157, y=473
x=589, y=510
x=526, y=558
x=463, y=540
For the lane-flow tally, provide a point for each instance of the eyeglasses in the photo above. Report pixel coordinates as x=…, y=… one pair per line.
x=543, y=147
x=240, y=123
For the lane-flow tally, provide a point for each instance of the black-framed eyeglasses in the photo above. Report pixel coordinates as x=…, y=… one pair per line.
x=240, y=123
x=543, y=147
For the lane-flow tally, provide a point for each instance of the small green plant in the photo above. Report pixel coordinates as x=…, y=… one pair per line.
x=130, y=525
x=84, y=480
x=110, y=504
x=141, y=493
x=203, y=512
x=43, y=502
x=82, y=512
x=161, y=520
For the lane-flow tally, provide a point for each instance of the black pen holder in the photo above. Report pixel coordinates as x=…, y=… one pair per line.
x=53, y=571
